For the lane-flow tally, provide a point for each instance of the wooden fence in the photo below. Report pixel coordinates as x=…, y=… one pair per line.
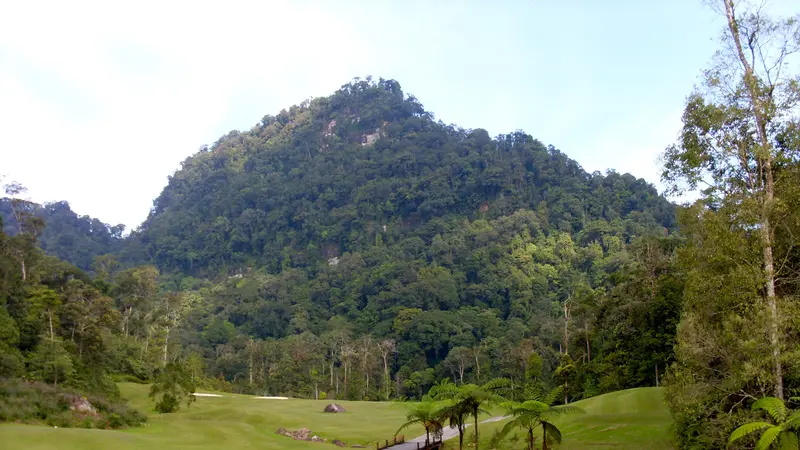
x=387, y=443
x=434, y=445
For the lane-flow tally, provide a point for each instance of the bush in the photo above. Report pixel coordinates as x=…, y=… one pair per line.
x=33, y=402
x=172, y=385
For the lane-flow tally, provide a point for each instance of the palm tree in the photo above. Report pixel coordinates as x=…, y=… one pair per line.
x=535, y=412
x=426, y=413
x=781, y=434
x=452, y=411
x=467, y=400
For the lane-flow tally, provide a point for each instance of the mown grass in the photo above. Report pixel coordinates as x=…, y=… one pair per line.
x=232, y=421
x=624, y=420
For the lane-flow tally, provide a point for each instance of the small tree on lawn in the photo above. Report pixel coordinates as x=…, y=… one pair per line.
x=172, y=385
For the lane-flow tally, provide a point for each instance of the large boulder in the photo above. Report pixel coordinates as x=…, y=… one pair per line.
x=334, y=408
x=339, y=443
x=80, y=404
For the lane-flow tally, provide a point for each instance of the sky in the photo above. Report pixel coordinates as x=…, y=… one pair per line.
x=101, y=101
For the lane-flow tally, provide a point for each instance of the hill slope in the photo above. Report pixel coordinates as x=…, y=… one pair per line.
x=335, y=174
x=630, y=419
x=68, y=236
x=358, y=216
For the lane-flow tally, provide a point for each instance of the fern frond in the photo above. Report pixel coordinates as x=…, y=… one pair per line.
x=553, y=432
x=746, y=429
x=788, y=441
x=768, y=438
x=792, y=422
x=773, y=406
x=554, y=394
x=566, y=409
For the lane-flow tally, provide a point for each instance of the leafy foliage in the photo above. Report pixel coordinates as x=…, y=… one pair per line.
x=172, y=386
x=537, y=412
x=32, y=402
x=782, y=434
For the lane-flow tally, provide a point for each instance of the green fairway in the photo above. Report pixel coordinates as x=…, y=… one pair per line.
x=232, y=421
x=630, y=419
x=634, y=418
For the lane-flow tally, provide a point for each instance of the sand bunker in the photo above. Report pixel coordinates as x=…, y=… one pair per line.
x=273, y=398
x=200, y=394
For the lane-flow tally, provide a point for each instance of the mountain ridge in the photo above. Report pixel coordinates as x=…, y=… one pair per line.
x=366, y=158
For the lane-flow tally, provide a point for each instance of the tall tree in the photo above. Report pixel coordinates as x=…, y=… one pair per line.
x=735, y=144
x=730, y=133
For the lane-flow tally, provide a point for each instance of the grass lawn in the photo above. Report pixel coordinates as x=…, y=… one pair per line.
x=232, y=421
x=633, y=419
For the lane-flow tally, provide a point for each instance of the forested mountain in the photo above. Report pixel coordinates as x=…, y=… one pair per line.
x=67, y=236
x=353, y=246
x=364, y=168
x=354, y=234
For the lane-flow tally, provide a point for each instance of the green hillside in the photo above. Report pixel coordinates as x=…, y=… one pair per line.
x=630, y=419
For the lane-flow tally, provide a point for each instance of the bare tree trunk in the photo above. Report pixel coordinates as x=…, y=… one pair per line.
x=476, y=428
x=345, y=380
x=166, y=348
x=751, y=84
x=146, y=344
x=24, y=273
x=477, y=353
x=566, y=326
x=588, y=347
x=544, y=438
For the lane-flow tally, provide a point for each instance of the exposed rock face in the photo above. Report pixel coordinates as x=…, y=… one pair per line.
x=334, y=408
x=80, y=404
x=370, y=139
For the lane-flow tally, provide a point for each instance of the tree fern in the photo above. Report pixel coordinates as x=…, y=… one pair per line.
x=773, y=406
x=782, y=434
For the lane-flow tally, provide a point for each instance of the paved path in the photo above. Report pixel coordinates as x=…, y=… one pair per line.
x=447, y=433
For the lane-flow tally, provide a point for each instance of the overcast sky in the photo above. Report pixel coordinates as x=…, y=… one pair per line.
x=99, y=102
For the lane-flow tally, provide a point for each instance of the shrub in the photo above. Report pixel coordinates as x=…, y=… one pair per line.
x=34, y=402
